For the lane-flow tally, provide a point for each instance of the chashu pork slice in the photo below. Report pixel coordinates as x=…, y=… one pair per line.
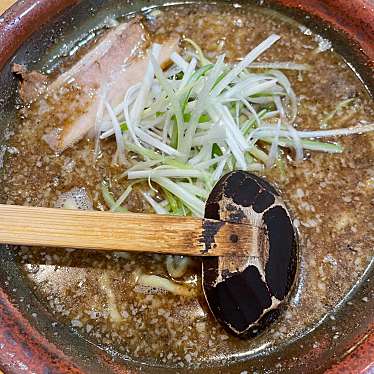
x=32, y=84
x=118, y=61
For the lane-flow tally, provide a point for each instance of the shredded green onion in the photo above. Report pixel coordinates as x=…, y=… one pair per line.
x=201, y=119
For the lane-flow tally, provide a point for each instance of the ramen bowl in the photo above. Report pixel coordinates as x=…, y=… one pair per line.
x=32, y=340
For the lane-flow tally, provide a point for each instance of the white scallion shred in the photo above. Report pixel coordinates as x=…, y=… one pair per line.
x=280, y=66
x=157, y=282
x=157, y=207
x=122, y=199
x=117, y=132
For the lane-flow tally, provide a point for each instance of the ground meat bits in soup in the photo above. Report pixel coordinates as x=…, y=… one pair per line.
x=329, y=195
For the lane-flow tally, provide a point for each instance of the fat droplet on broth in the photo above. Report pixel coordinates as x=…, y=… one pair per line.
x=77, y=198
x=31, y=268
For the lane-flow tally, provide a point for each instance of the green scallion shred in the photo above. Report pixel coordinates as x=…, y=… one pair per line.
x=216, y=150
x=109, y=200
x=123, y=126
x=203, y=60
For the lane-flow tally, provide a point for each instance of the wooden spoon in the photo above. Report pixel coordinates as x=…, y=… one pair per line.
x=247, y=243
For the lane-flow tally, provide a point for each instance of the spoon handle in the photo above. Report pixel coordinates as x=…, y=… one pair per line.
x=131, y=232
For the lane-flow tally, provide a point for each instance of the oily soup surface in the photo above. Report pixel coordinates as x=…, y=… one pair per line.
x=330, y=197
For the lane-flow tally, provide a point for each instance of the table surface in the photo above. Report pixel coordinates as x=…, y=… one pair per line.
x=5, y=4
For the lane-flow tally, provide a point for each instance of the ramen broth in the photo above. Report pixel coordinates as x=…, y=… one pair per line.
x=330, y=197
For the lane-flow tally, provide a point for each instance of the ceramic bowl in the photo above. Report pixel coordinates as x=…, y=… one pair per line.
x=31, y=341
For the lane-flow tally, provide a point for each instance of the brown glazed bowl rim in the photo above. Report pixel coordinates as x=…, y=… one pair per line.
x=24, y=18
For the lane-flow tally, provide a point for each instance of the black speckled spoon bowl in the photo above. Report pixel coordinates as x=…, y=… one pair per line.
x=245, y=292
